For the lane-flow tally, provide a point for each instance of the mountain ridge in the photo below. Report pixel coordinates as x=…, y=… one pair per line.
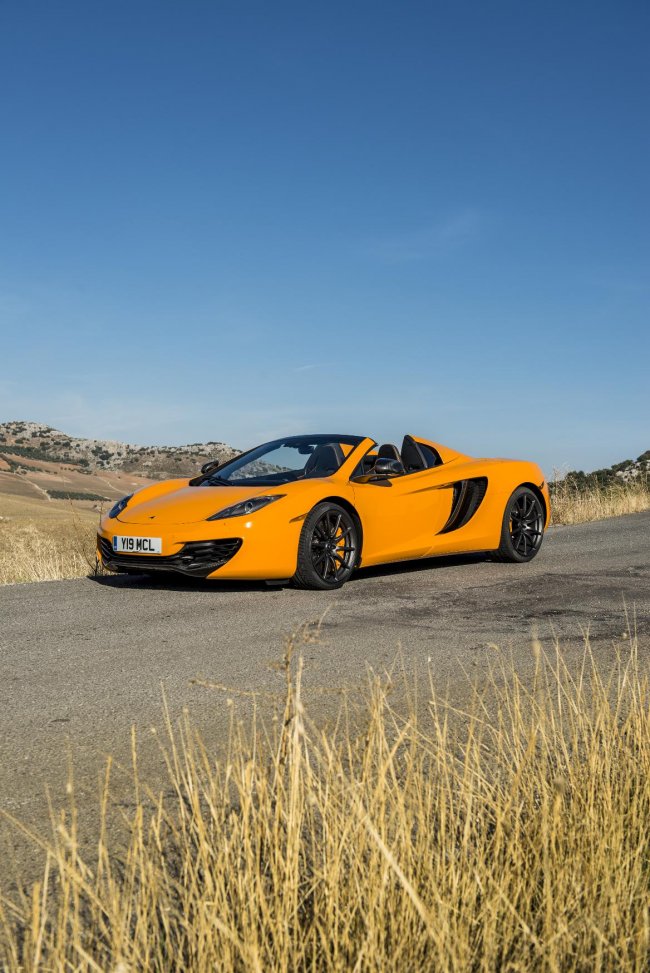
x=36, y=441
x=37, y=449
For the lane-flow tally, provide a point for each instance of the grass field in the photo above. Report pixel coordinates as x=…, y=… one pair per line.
x=44, y=540
x=512, y=837
x=576, y=506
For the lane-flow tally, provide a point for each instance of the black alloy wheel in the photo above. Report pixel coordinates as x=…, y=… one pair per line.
x=328, y=548
x=523, y=526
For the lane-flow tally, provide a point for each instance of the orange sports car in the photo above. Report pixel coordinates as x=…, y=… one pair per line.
x=312, y=509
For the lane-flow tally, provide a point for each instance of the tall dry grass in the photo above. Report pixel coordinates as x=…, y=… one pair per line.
x=576, y=505
x=30, y=555
x=514, y=837
x=47, y=549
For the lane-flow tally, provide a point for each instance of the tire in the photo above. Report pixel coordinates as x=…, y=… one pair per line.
x=522, y=531
x=328, y=548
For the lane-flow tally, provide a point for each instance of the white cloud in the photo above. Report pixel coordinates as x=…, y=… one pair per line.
x=429, y=242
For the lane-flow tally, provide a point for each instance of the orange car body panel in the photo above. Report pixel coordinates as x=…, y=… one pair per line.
x=401, y=517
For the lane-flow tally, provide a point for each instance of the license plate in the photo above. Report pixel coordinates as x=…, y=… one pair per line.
x=137, y=545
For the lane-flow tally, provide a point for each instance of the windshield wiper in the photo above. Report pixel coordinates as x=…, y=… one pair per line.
x=203, y=480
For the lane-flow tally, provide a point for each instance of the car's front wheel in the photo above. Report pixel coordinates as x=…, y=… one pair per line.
x=523, y=526
x=328, y=548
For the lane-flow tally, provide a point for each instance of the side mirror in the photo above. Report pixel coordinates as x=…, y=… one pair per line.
x=209, y=467
x=387, y=467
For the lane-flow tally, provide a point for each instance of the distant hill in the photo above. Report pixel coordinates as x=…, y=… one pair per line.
x=625, y=472
x=53, y=465
x=36, y=441
x=39, y=462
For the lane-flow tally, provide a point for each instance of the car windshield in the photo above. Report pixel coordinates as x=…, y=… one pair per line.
x=285, y=460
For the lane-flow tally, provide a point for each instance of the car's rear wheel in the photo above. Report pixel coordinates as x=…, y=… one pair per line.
x=523, y=526
x=328, y=548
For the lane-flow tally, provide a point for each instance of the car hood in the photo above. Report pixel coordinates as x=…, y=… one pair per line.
x=188, y=505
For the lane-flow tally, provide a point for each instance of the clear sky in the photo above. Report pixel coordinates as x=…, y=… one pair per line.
x=233, y=220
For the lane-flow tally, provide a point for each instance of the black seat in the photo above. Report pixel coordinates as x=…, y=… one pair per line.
x=388, y=451
x=412, y=456
x=324, y=461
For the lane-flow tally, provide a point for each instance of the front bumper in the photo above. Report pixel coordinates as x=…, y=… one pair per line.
x=196, y=559
x=267, y=548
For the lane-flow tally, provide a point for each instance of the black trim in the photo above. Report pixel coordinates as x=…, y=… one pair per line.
x=197, y=559
x=381, y=480
x=468, y=496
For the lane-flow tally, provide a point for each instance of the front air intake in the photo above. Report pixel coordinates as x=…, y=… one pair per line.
x=197, y=559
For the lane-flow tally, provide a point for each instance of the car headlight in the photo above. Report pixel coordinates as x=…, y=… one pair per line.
x=246, y=507
x=117, y=509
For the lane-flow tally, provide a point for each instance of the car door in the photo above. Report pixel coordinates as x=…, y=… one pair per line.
x=402, y=514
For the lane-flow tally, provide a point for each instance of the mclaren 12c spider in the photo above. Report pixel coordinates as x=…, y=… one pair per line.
x=312, y=509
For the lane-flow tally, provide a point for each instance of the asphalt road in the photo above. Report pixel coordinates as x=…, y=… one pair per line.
x=81, y=661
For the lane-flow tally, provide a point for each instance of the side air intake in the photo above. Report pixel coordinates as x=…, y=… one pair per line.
x=468, y=495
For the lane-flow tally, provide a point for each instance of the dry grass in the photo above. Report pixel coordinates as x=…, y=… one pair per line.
x=571, y=505
x=45, y=541
x=513, y=838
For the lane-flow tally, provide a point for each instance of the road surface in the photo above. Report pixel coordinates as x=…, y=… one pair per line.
x=83, y=660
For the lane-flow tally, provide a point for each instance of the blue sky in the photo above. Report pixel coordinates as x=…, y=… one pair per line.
x=227, y=220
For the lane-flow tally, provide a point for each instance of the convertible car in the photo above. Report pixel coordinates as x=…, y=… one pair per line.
x=312, y=509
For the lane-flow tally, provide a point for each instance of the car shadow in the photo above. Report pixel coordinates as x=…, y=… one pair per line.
x=170, y=582
x=418, y=564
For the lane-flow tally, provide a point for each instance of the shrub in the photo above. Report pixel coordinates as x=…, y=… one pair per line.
x=74, y=495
